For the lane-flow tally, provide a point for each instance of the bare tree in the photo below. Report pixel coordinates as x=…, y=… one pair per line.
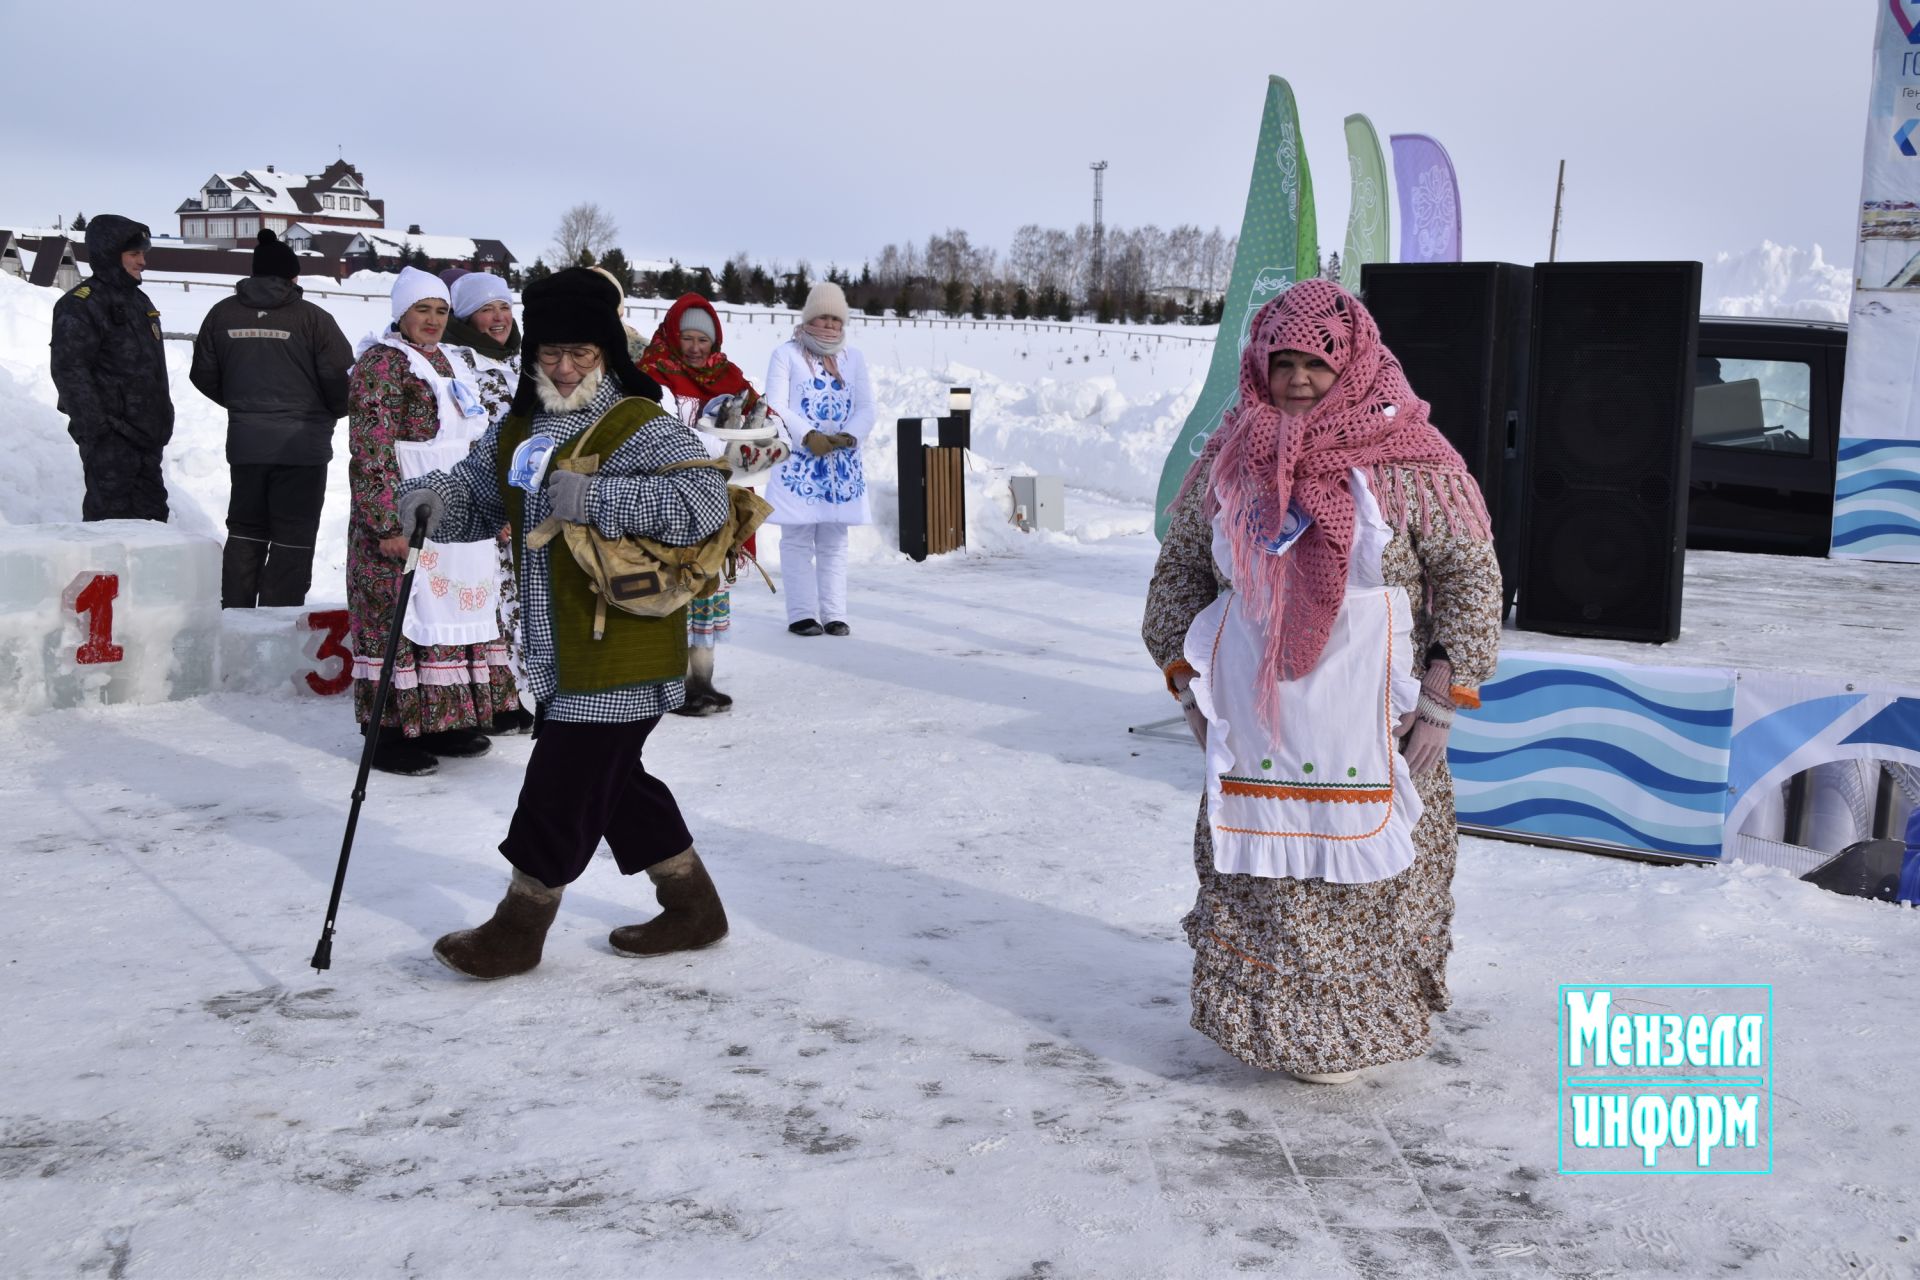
x=584, y=228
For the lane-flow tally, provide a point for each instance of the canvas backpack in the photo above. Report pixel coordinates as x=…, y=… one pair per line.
x=641, y=575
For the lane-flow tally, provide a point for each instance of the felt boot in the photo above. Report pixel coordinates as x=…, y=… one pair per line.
x=690, y=912
x=394, y=752
x=511, y=941
x=702, y=698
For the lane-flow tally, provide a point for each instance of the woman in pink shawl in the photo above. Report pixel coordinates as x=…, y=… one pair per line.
x=1326, y=597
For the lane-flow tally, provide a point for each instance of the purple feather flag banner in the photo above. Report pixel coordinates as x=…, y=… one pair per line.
x=1429, y=200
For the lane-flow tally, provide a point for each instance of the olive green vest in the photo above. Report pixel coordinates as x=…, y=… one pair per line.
x=635, y=650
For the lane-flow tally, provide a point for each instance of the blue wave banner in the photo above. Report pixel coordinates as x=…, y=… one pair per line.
x=1586, y=749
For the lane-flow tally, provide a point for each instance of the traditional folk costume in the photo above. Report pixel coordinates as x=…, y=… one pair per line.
x=495, y=370
x=413, y=410
x=696, y=384
x=603, y=683
x=1324, y=575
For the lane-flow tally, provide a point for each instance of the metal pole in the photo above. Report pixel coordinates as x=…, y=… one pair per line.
x=323, y=952
x=1559, y=191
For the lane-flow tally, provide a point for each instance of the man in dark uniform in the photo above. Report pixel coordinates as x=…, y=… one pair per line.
x=278, y=365
x=110, y=367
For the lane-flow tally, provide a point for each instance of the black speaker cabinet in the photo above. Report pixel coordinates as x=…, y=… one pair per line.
x=1609, y=434
x=1460, y=330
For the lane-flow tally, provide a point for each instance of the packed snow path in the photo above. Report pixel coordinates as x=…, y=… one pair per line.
x=947, y=1036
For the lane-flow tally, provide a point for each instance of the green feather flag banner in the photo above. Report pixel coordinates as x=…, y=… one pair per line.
x=1279, y=244
x=1369, y=226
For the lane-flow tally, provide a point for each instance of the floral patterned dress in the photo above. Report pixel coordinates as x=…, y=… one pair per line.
x=435, y=687
x=1303, y=974
x=498, y=380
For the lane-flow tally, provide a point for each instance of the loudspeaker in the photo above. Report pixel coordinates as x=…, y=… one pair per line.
x=1460, y=330
x=1609, y=423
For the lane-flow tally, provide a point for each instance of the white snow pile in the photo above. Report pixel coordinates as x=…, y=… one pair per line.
x=1776, y=280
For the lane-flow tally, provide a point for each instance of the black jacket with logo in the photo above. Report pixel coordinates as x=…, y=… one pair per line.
x=278, y=365
x=109, y=363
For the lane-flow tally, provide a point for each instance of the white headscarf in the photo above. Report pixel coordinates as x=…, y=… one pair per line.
x=414, y=285
x=475, y=290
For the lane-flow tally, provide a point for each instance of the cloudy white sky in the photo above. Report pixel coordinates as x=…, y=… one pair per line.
x=823, y=130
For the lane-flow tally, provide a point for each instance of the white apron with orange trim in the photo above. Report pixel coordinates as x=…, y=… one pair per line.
x=1331, y=798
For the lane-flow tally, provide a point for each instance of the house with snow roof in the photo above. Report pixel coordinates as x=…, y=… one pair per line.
x=233, y=208
x=390, y=250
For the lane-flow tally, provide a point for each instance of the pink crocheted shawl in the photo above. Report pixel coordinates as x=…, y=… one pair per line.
x=1263, y=459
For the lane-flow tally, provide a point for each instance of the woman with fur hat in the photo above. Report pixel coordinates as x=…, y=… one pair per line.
x=685, y=358
x=1326, y=596
x=601, y=687
x=484, y=335
x=412, y=408
x=819, y=386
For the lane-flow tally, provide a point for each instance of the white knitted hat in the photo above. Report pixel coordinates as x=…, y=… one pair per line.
x=826, y=299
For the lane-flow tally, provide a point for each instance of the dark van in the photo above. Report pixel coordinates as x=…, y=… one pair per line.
x=1766, y=435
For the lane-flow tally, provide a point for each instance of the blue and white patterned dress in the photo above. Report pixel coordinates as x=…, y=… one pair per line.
x=820, y=490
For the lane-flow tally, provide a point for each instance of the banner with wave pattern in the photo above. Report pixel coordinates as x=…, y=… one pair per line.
x=1582, y=748
x=1876, y=500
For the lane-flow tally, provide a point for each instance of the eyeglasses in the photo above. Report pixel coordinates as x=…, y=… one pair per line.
x=581, y=357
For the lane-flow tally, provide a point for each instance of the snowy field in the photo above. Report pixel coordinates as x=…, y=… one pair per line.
x=947, y=1035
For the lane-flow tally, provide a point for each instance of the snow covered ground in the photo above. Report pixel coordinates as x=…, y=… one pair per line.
x=947, y=1036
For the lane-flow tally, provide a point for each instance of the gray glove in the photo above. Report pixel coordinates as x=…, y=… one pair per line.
x=415, y=503
x=568, y=491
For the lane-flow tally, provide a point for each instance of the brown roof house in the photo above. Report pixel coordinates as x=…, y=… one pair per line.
x=233, y=208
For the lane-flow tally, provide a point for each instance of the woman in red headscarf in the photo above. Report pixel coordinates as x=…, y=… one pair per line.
x=1326, y=596
x=685, y=358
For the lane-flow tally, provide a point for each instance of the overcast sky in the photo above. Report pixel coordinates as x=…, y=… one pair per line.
x=823, y=131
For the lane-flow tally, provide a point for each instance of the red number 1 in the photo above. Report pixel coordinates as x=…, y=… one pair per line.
x=93, y=595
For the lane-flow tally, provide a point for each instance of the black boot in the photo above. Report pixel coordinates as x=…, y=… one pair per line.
x=460, y=744
x=394, y=752
x=690, y=916
x=511, y=941
x=806, y=627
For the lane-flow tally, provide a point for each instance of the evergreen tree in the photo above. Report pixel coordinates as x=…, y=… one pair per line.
x=701, y=281
x=903, y=304
x=1064, y=311
x=997, y=304
x=615, y=262
x=979, y=308
x=1141, y=311
x=798, y=287
x=516, y=280
x=1331, y=269
x=1022, y=305
x=537, y=272
x=1048, y=303
x=733, y=286
x=866, y=276
x=1103, y=309
x=761, y=288
x=585, y=259
x=673, y=281
x=79, y=222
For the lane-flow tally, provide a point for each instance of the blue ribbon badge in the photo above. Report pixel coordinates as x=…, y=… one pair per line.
x=529, y=466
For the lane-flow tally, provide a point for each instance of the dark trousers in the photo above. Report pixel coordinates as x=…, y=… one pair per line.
x=585, y=781
x=273, y=519
x=123, y=481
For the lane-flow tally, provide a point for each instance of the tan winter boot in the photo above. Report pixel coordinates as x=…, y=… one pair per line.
x=511, y=941
x=690, y=912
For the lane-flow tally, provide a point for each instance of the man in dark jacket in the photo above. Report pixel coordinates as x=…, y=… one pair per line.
x=278, y=365
x=110, y=368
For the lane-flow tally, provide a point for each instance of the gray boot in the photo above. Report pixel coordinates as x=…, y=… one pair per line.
x=690, y=916
x=510, y=942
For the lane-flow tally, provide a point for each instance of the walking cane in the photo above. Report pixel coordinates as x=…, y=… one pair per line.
x=323, y=953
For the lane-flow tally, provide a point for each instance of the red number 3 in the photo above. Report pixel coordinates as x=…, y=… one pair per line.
x=334, y=622
x=92, y=595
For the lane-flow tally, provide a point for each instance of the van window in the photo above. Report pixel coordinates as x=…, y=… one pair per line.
x=1761, y=406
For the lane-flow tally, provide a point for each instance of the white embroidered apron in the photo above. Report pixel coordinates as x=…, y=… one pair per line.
x=456, y=590
x=1332, y=798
